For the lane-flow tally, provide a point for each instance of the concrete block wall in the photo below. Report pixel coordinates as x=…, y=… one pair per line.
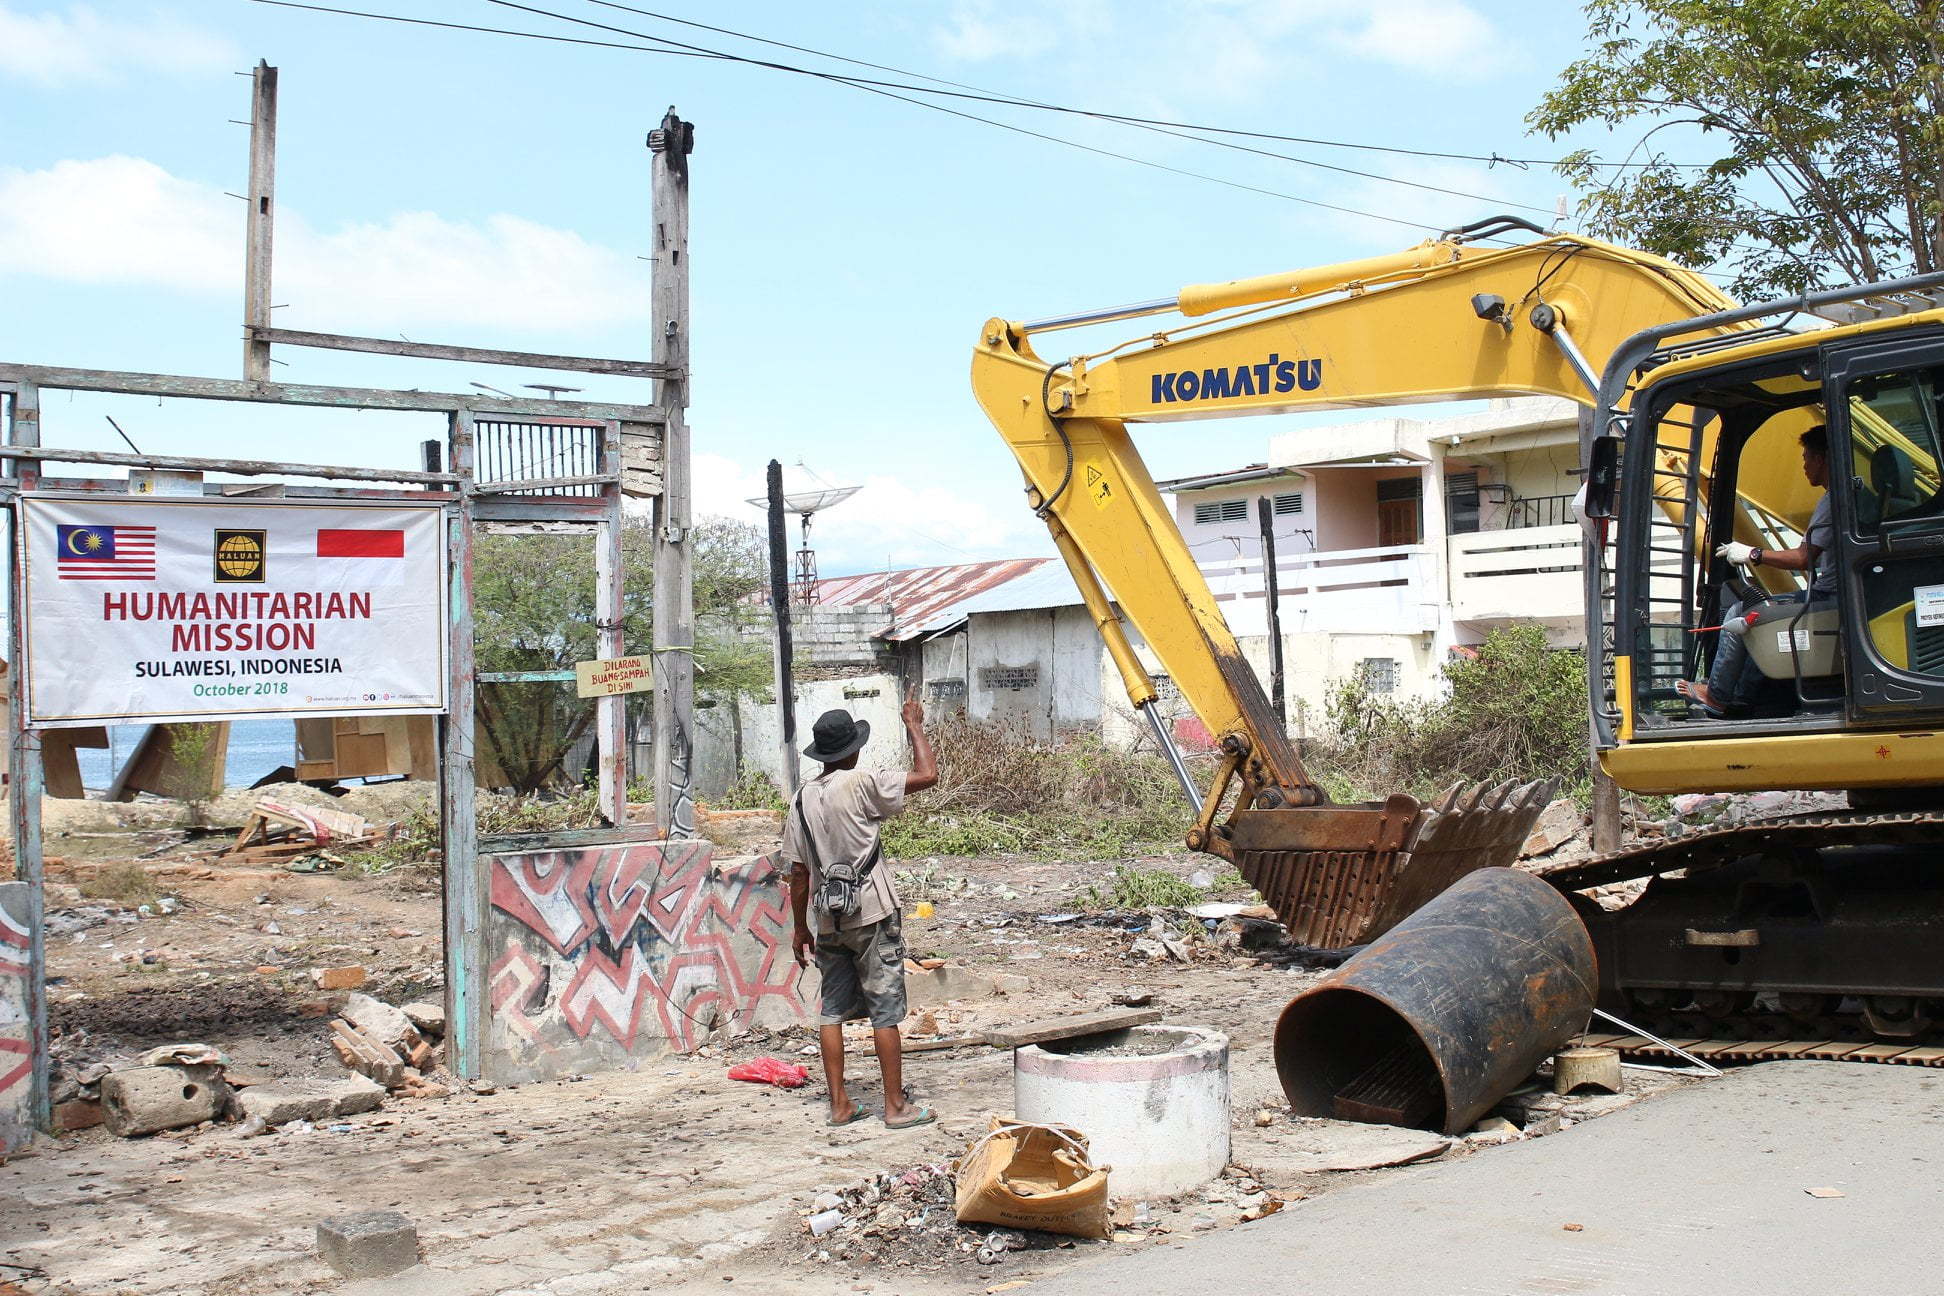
x=604, y=956
x=840, y=636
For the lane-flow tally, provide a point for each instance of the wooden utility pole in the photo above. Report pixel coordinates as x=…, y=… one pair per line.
x=1267, y=513
x=262, y=222
x=779, y=583
x=674, y=640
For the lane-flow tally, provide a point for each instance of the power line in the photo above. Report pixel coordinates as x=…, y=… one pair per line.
x=994, y=96
x=1014, y=101
x=681, y=49
x=855, y=83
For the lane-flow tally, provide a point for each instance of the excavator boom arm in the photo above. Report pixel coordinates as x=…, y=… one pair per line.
x=1441, y=321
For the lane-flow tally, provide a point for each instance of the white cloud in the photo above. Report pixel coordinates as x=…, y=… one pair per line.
x=123, y=220
x=1237, y=48
x=82, y=46
x=887, y=523
x=1444, y=38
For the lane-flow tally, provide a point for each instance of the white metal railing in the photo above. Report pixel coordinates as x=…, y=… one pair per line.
x=1388, y=590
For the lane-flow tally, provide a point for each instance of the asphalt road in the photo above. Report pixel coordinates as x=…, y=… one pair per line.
x=1702, y=1190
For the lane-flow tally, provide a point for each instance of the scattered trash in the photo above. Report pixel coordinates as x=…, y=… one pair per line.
x=1825, y=1192
x=1573, y=1228
x=1217, y=909
x=771, y=1071
x=823, y=1223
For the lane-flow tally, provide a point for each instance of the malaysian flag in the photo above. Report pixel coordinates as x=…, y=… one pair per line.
x=106, y=552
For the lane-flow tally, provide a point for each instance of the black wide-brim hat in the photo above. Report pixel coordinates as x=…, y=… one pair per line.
x=835, y=736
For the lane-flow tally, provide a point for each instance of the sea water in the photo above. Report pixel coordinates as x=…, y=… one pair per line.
x=255, y=748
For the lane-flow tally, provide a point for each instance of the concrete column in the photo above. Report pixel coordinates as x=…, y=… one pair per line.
x=1437, y=539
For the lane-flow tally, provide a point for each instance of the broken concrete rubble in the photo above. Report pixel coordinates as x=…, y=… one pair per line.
x=143, y=1100
x=311, y=1100
x=380, y=1021
x=429, y=1018
x=368, y=1244
x=1559, y=823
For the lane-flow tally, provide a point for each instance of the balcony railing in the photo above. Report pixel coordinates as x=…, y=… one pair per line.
x=1521, y=574
x=1372, y=591
x=1538, y=511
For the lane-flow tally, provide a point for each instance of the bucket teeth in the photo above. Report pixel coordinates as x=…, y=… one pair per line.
x=1331, y=895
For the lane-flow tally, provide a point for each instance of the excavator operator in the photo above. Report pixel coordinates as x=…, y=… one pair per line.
x=1735, y=680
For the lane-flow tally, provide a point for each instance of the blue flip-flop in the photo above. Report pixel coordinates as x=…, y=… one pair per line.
x=857, y=1114
x=925, y=1116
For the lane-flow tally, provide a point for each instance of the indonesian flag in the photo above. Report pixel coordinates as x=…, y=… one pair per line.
x=361, y=555
x=360, y=542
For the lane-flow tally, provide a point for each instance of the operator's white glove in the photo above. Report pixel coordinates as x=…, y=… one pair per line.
x=1736, y=552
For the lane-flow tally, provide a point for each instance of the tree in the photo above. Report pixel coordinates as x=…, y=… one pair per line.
x=533, y=599
x=1825, y=114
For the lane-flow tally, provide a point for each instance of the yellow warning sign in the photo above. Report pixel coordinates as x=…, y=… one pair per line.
x=1100, y=487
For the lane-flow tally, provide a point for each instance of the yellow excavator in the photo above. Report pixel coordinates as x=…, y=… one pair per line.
x=1813, y=926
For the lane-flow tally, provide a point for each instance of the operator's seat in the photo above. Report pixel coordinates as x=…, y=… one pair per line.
x=1787, y=641
x=1894, y=481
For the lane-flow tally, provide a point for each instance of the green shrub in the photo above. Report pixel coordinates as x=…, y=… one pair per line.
x=1135, y=888
x=753, y=791
x=1001, y=790
x=1516, y=710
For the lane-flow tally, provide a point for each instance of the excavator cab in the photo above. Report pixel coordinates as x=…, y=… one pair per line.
x=1712, y=456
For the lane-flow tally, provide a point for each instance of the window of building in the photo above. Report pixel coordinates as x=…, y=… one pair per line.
x=1290, y=502
x=1461, y=502
x=1379, y=674
x=1234, y=510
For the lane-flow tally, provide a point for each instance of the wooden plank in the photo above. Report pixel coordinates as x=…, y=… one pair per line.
x=566, y=839
x=269, y=393
x=948, y=1042
x=1056, y=1028
x=467, y=1007
x=610, y=716
x=260, y=226
x=467, y=354
x=242, y=467
x=544, y=484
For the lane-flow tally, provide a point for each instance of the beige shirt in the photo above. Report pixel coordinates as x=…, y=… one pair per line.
x=846, y=809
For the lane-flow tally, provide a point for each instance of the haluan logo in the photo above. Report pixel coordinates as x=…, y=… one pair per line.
x=1272, y=376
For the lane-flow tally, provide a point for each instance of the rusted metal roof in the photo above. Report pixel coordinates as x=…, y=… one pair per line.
x=917, y=594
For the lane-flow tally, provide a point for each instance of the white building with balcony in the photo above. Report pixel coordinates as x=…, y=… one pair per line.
x=1398, y=541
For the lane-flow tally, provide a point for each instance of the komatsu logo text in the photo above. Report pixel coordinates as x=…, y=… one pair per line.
x=1273, y=375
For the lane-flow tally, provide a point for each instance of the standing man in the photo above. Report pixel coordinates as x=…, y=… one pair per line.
x=835, y=821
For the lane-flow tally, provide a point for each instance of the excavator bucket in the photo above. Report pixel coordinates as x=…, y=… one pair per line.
x=1344, y=875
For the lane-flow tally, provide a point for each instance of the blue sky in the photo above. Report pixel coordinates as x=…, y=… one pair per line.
x=469, y=188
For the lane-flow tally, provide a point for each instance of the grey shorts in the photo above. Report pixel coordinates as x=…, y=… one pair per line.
x=863, y=973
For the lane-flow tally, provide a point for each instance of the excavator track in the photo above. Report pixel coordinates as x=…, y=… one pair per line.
x=1722, y=1050
x=1807, y=936
x=1710, y=846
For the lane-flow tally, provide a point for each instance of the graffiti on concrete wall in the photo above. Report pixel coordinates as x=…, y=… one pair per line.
x=605, y=953
x=16, y=1018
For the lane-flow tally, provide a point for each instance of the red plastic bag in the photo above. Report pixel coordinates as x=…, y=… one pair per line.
x=769, y=1070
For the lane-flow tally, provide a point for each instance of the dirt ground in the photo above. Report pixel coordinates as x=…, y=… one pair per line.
x=671, y=1175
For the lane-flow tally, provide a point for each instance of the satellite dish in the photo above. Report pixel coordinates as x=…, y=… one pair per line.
x=806, y=505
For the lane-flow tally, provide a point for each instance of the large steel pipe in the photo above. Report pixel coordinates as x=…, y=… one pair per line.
x=1441, y=1017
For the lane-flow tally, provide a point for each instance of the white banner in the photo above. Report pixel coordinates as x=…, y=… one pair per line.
x=151, y=609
